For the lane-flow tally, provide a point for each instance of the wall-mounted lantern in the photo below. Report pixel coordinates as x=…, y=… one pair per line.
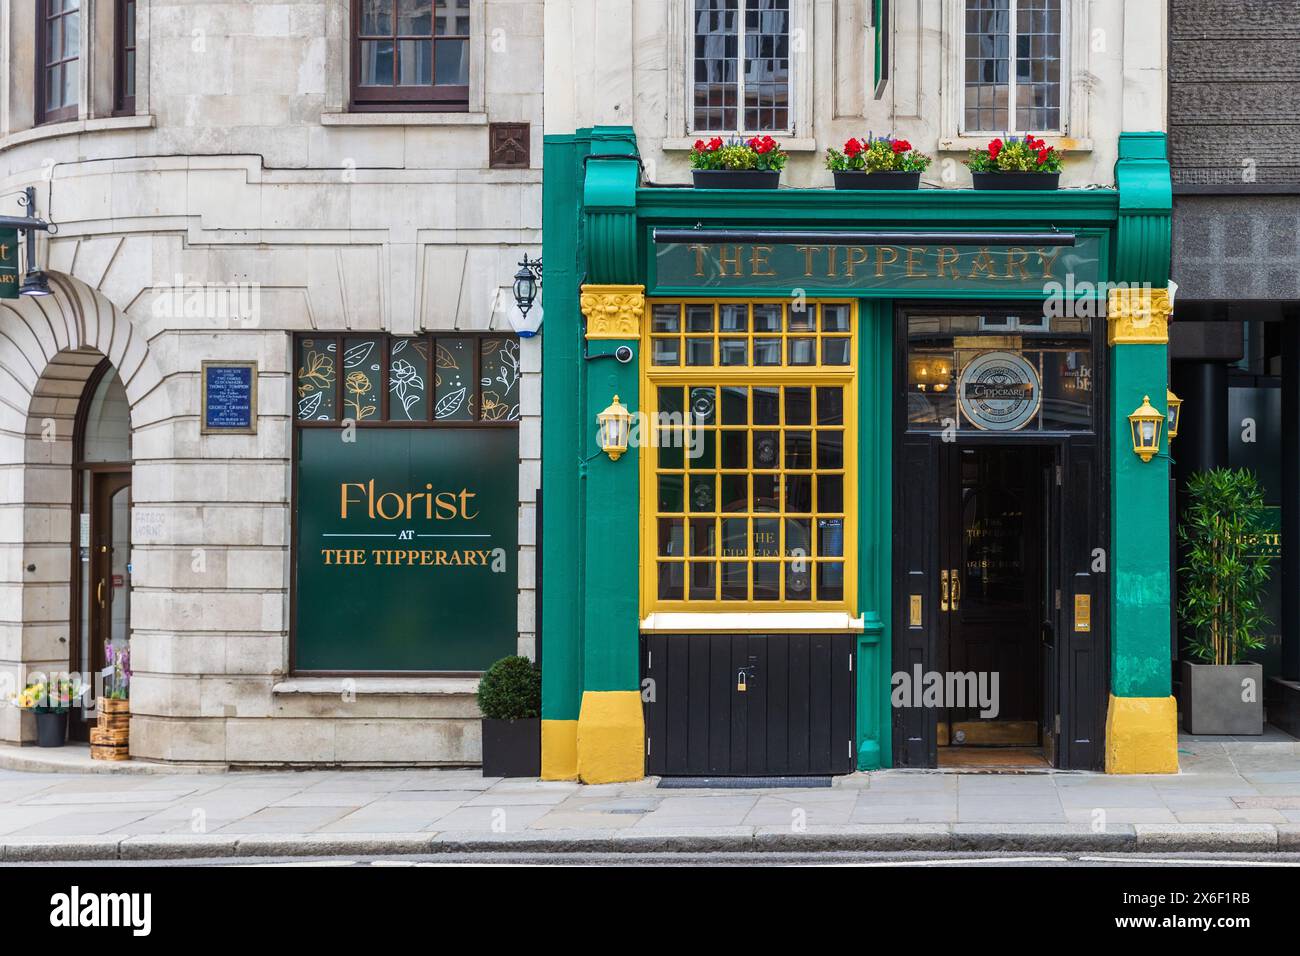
x=528, y=281
x=1145, y=423
x=615, y=423
x=35, y=282
x=1175, y=412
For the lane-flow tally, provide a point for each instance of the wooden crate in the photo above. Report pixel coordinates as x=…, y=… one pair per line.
x=109, y=752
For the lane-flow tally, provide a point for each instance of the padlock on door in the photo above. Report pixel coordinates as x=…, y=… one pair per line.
x=742, y=681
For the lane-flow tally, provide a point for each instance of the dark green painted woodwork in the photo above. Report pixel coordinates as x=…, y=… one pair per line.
x=612, y=529
x=382, y=585
x=875, y=532
x=564, y=431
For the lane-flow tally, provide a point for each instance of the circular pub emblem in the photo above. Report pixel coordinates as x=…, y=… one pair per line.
x=999, y=391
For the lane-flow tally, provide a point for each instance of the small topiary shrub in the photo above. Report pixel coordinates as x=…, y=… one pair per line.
x=511, y=689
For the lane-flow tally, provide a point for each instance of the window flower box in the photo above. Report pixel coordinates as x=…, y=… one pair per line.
x=885, y=163
x=755, y=163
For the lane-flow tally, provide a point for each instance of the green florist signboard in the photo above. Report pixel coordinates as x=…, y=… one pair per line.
x=9, y=281
x=407, y=549
x=903, y=270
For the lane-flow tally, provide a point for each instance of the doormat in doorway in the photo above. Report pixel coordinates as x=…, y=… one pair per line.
x=740, y=783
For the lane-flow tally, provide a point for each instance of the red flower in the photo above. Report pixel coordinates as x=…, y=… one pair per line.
x=1042, y=156
x=715, y=143
x=901, y=146
x=852, y=148
x=995, y=147
x=699, y=145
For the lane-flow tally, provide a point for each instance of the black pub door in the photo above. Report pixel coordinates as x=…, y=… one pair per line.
x=992, y=547
x=748, y=704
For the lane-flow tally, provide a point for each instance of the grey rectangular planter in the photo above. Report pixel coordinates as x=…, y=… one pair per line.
x=1212, y=699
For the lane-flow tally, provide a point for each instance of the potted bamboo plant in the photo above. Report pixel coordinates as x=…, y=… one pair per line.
x=1221, y=602
x=1027, y=163
x=755, y=163
x=885, y=163
x=510, y=697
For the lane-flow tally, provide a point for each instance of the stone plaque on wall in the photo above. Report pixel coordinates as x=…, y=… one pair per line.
x=508, y=146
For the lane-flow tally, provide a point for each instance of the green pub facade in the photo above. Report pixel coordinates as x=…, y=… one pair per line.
x=881, y=506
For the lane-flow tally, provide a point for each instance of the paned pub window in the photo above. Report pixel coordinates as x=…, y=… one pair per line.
x=741, y=66
x=749, y=475
x=410, y=54
x=58, y=52
x=1013, y=66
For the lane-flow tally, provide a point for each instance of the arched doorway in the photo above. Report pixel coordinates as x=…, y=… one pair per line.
x=101, y=521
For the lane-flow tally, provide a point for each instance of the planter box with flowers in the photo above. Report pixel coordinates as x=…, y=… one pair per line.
x=110, y=738
x=1027, y=163
x=885, y=163
x=51, y=702
x=755, y=163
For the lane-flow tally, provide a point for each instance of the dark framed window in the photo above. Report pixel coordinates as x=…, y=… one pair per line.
x=58, y=59
x=124, y=57
x=448, y=378
x=410, y=54
x=741, y=66
x=1014, y=66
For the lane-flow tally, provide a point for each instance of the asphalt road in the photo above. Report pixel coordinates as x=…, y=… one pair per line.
x=823, y=859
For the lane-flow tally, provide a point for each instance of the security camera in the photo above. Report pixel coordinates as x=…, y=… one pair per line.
x=623, y=353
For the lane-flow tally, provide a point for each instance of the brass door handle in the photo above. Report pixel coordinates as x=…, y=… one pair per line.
x=956, y=589
x=943, y=590
x=99, y=593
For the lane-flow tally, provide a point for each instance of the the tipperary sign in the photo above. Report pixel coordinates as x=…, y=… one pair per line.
x=406, y=552
x=904, y=269
x=9, y=281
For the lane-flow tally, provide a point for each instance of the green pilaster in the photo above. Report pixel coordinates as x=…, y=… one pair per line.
x=563, y=429
x=1139, y=560
x=875, y=436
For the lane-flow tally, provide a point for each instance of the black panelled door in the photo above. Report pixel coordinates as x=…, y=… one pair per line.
x=748, y=704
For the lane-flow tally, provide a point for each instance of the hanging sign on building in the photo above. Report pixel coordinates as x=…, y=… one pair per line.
x=999, y=391
x=880, y=269
x=9, y=279
x=407, y=546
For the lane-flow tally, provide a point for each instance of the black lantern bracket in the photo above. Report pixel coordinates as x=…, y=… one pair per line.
x=35, y=282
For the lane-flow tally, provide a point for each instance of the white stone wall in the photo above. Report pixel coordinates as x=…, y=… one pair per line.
x=242, y=165
x=604, y=66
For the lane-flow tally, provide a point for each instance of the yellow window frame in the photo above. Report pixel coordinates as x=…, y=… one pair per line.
x=720, y=376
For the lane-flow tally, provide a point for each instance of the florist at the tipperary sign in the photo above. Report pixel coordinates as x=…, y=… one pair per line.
x=903, y=268
x=407, y=541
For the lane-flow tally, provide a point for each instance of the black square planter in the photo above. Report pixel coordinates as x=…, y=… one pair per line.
x=736, y=178
x=512, y=748
x=890, y=179
x=1016, y=180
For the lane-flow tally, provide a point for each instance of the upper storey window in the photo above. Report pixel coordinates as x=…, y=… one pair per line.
x=58, y=45
x=1013, y=67
x=124, y=57
x=741, y=75
x=410, y=54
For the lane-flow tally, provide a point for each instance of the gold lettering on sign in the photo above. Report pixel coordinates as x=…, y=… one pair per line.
x=394, y=506
x=913, y=271
x=699, y=251
x=732, y=259
x=857, y=256
x=1016, y=259
x=881, y=261
x=984, y=264
x=758, y=264
x=1047, y=262
x=807, y=258
x=948, y=259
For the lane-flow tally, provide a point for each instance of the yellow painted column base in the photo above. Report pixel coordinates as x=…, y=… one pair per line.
x=1142, y=735
x=559, y=750
x=611, y=737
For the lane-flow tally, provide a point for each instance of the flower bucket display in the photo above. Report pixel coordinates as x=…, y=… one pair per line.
x=50, y=701
x=755, y=163
x=110, y=738
x=885, y=163
x=1027, y=163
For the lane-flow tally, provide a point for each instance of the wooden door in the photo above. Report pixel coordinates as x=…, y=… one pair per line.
x=108, y=578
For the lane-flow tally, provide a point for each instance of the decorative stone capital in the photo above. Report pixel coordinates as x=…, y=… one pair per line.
x=1138, y=315
x=613, y=311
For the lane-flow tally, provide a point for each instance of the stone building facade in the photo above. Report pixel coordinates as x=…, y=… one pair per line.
x=230, y=179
